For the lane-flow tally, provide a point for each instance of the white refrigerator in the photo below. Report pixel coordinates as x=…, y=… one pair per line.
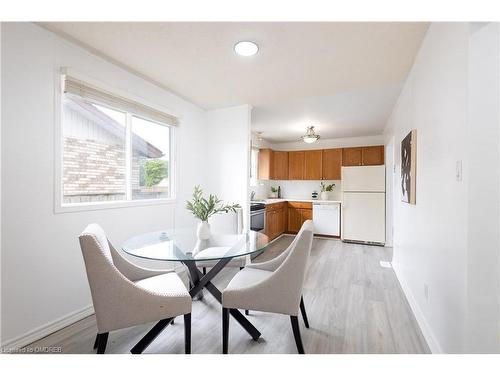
x=363, y=204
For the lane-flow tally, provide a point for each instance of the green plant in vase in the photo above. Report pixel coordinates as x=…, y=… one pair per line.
x=274, y=192
x=326, y=189
x=203, y=208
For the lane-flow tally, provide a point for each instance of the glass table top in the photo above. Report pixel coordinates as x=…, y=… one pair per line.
x=182, y=244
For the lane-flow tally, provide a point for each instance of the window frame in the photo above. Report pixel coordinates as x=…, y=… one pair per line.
x=59, y=206
x=254, y=180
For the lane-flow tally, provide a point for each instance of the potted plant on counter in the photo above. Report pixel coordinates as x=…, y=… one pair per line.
x=203, y=208
x=274, y=192
x=325, y=191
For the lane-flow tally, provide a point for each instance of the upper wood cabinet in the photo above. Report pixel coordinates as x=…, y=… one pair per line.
x=296, y=165
x=280, y=165
x=332, y=164
x=266, y=164
x=352, y=156
x=313, y=164
x=373, y=155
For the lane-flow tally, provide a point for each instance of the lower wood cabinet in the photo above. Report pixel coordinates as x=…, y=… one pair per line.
x=298, y=212
x=275, y=219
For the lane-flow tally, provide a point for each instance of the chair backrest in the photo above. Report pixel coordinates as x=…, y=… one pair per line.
x=227, y=223
x=292, y=270
x=100, y=238
x=103, y=276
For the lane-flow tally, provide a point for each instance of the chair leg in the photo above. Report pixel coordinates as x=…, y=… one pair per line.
x=95, y=342
x=102, y=340
x=296, y=334
x=303, y=311
x=187, y=333
x=225, y=330
x=246, y=311
x=204, y=270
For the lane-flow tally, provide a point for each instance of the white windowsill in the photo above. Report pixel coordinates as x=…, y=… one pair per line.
x=60, y=208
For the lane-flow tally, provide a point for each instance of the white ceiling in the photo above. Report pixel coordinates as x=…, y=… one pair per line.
x=334, y=64
x=353, y=113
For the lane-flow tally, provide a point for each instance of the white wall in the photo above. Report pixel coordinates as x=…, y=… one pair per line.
x=389, y=190
x=437, y=242
x=483, y=166
x=43, y=277
x=0, y=179
x=303, y=189
x=228, y=154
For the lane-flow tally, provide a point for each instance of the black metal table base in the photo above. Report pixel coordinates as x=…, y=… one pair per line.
x=199, y=282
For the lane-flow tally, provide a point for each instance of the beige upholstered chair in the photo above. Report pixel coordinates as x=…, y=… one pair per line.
x=125, y=295
x=273, y=286
x=223, y=224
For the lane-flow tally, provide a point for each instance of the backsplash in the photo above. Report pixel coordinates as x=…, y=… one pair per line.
x=300, y=189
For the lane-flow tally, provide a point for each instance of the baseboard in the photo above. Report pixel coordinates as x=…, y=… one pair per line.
x=47, y=329
x=429, y=337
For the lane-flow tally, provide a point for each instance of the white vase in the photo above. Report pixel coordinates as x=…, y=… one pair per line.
x=324, y=196
x=203, y=230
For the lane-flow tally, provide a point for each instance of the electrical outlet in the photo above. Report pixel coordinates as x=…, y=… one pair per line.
x=426, y=292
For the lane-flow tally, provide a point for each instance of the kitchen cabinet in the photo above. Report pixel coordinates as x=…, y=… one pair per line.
x=266, y=161
x=352, y=156
x=296, y=165
x=370, y=155
x=280, y=165
x=373, y=155
x=298, y=212
x=332, y=164
x=313, y=164
x=275, y=223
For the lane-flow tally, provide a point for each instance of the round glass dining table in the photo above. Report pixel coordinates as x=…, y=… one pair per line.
x=182, y=245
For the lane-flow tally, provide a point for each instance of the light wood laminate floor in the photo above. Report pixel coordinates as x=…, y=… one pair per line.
x=354, y=306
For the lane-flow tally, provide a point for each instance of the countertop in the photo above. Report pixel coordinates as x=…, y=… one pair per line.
x=278, y=200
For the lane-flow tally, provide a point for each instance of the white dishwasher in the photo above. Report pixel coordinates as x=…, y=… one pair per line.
x=326, y=218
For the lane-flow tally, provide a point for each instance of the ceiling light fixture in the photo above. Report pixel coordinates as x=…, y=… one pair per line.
x=246, y=48
x=310, y=136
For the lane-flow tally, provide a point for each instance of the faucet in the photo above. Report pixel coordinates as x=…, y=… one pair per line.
x=252, y=195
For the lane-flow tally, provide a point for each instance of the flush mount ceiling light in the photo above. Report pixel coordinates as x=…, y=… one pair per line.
x=246, y=48
x=310, y=136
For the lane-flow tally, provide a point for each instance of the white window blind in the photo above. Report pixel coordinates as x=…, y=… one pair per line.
x=84, y=90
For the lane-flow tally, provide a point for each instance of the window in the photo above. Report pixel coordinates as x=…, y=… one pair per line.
x=254, y=166
x=112, y=149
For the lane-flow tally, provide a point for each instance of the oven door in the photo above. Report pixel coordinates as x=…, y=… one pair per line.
x=257, y=220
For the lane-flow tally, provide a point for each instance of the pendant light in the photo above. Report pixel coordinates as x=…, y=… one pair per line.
x=310, y=136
